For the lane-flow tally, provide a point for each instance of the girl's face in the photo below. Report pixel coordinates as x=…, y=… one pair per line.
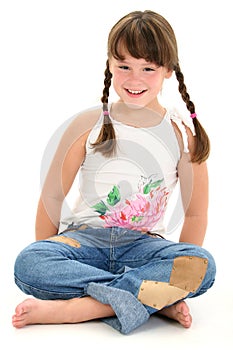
x=136, y=81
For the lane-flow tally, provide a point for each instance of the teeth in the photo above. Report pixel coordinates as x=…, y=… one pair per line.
x=135, y=92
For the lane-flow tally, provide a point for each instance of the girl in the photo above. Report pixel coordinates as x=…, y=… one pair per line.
x=111, y=261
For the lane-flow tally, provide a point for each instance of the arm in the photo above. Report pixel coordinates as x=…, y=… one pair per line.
x=194, y=190
x=65, y=165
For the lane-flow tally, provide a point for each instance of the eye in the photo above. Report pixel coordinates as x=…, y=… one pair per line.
x=148, y=69
x=124, y=67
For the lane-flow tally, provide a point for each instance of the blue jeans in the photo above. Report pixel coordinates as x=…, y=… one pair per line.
x=136, y=273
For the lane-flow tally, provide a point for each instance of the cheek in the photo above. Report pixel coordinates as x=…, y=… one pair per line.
x=118, y=78
x=117, y=81
x=156, y=83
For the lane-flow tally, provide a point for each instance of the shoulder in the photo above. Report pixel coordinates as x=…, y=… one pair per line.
x=85, y=121
x=81, y=125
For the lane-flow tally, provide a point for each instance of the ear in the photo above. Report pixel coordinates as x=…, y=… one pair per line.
x=168, y=74
x=110, y=65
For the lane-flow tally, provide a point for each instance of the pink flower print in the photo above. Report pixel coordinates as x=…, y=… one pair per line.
x=141, y=212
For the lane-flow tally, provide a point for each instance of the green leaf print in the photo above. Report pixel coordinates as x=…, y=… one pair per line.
x=114, y=196
x=147, y=188
x=100, y=208
x=136, y=218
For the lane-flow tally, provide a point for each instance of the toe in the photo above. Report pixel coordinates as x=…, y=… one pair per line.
x=182, y=308
x=185, y=320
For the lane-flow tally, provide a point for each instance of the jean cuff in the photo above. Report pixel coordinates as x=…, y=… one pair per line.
x=130, y=313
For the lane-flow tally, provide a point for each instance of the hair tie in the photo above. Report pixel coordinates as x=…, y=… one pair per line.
x=193, y=115
x=106, y=113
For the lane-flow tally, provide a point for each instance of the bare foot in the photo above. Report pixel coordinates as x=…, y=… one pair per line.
x=178, y=312
x=35, y=311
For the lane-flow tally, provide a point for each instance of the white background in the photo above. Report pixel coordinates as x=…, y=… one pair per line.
x=52, y=59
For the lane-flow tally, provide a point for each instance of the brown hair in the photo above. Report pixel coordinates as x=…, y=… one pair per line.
x=146, y=35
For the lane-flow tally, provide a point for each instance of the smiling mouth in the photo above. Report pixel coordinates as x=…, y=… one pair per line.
x=135, y=92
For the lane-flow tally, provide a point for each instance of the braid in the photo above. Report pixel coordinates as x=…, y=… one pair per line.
x=106, y=141
x=202, y=143
x=107, y=84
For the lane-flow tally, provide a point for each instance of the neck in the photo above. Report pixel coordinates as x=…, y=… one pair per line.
x=137, y=116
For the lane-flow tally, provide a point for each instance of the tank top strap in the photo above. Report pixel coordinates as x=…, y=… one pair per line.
x=181, y=122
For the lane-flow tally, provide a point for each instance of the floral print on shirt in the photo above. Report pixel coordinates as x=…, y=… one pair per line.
x=141, y=211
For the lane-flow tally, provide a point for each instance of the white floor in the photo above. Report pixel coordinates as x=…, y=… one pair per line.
x=212, y=325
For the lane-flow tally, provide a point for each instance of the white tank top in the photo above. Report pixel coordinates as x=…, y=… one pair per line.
x=131, y=189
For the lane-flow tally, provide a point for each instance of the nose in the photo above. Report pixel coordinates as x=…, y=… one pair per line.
x=134, y=78
x=134, y=75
